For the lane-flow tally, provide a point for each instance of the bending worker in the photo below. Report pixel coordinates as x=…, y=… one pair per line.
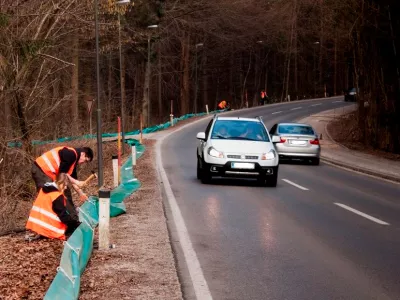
x=62, y=160
x=222, y=104
x=49, y=216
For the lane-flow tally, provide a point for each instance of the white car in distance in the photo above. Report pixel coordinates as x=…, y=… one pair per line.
x=237, y=147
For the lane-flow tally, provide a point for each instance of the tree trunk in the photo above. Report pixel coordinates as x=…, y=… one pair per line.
x=87, y=96
x=134, y=93
x=296, y=86
x=231, y=72
x=160, y=106
x=109, y=88
x=335, y=67
x=185, y=84
x=217, y=93
x=123, y=90
x=321, y=45
x=205, y=81
x=257, y=76
x=290, y=53
x=22, y=122
x=146, y=91
x=75, y=85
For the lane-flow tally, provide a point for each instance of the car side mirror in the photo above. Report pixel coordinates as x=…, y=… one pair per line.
x=276, y=139
x=201, y=136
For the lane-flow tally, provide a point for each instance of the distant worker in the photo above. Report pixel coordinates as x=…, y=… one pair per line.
x=49, y=216
x=222, y=104
x=62, y=160
x=263, y=97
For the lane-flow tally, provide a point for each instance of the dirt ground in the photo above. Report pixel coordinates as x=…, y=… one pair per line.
x=141, y=266
x=345, y=131
x=28, y=268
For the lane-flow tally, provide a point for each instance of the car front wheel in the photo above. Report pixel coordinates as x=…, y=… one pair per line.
x=269, y=180
x=205, y=175
x=198, y=169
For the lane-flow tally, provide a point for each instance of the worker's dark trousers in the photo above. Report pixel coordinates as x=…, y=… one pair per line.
x=41, y=178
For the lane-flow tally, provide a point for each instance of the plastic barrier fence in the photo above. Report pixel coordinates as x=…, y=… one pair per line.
x=78, y=248
x=90, y=136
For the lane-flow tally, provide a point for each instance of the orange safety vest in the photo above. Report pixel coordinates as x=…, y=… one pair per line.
x=43, y=220
x=263, y=95
x=222, y=104
x=49, y=162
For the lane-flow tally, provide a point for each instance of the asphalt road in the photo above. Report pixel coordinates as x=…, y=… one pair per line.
x=322, y=233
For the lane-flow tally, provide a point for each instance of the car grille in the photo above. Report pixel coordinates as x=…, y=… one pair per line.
x=251, y=157
x=239, y=157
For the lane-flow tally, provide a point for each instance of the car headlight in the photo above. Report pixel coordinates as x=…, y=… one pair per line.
x=268, y=156
x=215, y=153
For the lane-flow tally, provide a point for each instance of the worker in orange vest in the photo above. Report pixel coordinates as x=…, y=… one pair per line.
x=62, y=160
x=263, y=97
x=49, y=216
x=222, y=104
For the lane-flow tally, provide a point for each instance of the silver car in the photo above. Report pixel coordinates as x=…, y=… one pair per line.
x=299, y=141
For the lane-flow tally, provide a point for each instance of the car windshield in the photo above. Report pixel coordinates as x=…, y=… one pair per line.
x=239, y=130
x=295, y=129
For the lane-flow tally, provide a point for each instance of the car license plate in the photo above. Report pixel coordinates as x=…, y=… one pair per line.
x=238, y=165
x=297, y=142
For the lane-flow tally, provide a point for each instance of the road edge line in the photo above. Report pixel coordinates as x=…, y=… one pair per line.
x=199, y=282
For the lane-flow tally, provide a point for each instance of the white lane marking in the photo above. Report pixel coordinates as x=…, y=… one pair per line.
x=362, y=214
x=277, y=112
x=196, y=273
x=296, y=108
x=316, y=104
x=337, y=101
x=295, y=184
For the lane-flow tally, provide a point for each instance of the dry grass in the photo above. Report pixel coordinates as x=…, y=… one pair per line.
x=345, y=131
x=27, y=269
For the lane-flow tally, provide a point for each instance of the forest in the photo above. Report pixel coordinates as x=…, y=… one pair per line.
x=157, y=56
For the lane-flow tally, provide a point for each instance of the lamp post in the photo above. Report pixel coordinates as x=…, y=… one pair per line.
x=196, y=83
x=148, y=75
x=122, y=82
x=98, y=103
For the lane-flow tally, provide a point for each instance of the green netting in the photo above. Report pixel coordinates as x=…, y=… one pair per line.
x=105, y=135
x=78, y=248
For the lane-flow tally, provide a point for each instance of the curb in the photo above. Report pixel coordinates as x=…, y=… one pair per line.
x=391, y=178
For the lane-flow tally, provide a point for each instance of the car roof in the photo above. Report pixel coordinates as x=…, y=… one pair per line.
x=238, y=118
x=295, y=124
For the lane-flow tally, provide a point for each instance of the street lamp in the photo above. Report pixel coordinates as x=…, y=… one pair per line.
x=148, y=75
x=196, y=83
x=99, y=135
x=121, y=3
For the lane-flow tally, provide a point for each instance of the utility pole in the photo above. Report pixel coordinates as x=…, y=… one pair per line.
x=99, y=135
